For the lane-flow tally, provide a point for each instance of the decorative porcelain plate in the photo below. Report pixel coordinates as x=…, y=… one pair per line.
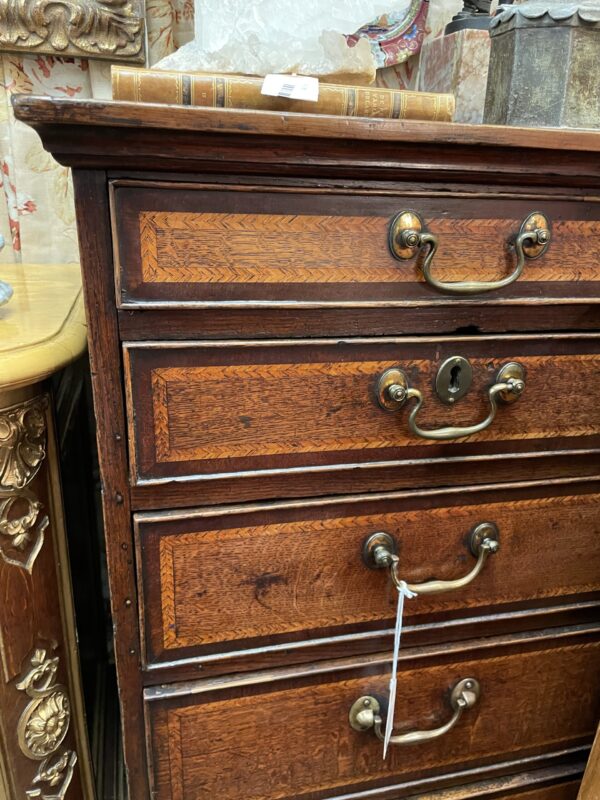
x=397, y=36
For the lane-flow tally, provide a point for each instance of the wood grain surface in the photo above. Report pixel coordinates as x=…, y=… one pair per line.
x=558, y=782
x=230, y=420
x=202, y=409
x=135, y=136
x=94, y=240
x=43, y=110
x=238, y=580
x=202, y=243
x=291, y=739
x=264, y=322
x=563, y=791
x=495, y=790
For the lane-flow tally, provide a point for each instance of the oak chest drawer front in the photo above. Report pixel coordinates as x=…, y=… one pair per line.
x=264, y=738
x=237, y=408
x=562, y=791
x=214, y=243
x=216, y=582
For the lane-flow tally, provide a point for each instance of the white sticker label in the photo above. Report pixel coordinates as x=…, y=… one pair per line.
x=294, y=87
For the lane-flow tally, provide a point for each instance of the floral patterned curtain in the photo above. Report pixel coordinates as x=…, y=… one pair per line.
x=37, y=217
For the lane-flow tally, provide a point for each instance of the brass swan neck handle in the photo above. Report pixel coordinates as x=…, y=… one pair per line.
x=379, y=552
x=408, y=235
x=365, y=714
x=393, y=391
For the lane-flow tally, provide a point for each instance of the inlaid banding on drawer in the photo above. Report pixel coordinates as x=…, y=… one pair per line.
x=197, y=409
x=218, y=582
x=279, y=736
x=214, y=243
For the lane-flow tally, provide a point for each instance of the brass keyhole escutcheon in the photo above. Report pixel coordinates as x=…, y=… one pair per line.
x=453, y=379
x=393, y=391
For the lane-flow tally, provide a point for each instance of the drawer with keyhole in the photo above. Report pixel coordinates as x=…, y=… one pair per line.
x=214, y=422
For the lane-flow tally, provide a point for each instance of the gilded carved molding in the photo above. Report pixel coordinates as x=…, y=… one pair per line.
x=23, y=436
x=22, y=442
x=112, y=29
x=43, y=727
x=22, y=529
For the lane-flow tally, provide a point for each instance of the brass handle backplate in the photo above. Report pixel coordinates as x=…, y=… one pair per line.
x=408, y=236
x=379, y=551
x=365, y=714
x=393, y=391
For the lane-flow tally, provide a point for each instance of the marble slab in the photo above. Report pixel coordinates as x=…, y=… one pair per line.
x=458, y=64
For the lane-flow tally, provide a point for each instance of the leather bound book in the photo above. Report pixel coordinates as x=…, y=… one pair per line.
x=238, y=91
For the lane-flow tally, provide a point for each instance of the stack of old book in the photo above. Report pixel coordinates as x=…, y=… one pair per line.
x=241, y=92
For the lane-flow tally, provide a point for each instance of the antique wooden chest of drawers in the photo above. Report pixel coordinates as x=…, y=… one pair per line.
x=329, y=356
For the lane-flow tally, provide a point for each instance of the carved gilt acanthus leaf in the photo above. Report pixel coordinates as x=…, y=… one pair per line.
x=21, y=529
x=41, y=675
x=101, y=28
x=22, y=442
x=56, y=772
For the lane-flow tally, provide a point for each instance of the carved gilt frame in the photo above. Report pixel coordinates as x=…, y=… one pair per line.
x=108, y=29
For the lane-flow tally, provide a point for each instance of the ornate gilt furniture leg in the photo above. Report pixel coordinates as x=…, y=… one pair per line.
x=43, y=741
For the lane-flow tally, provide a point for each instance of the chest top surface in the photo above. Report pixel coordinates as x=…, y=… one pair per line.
x=149, y=137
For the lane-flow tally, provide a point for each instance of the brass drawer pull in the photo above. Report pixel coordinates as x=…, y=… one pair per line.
x=364, y=714
x=408, y=236
x=380, y=552
x=393, y=391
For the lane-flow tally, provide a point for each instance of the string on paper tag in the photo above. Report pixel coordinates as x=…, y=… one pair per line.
x=403, y=591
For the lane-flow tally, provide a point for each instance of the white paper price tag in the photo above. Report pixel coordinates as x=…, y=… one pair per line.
x=403, y=591
x=294, y=87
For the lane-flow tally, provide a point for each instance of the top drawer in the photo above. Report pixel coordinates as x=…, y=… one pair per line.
x=193, y=244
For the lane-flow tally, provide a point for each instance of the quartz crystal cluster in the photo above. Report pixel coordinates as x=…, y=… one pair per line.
x=258, y=37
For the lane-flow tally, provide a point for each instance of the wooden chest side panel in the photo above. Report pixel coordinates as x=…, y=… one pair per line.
x=223, y=582
x=270, y=742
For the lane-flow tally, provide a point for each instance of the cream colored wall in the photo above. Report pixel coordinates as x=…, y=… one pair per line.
x=37, y=217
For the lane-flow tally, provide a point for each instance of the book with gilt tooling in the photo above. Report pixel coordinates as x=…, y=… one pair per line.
x=242, y=92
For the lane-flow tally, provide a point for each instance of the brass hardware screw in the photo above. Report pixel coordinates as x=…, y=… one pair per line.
x=516, y=386
x=397, y=393
x=410, y=238
x=543, y=236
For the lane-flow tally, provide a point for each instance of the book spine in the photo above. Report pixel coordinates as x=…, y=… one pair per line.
x=221, y=91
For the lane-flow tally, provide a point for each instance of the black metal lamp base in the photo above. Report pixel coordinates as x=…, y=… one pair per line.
x=463, y=21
